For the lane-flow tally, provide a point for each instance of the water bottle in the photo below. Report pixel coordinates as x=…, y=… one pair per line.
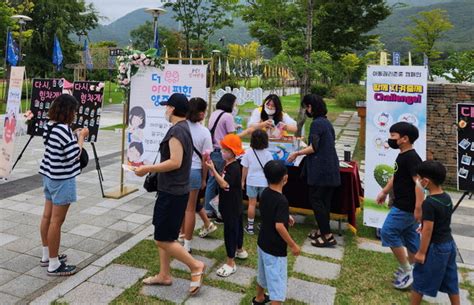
x=347, y=153
x=238, y=121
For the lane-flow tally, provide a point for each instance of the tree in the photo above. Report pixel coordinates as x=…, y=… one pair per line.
x=338, y=26
x=349, y=64
x=428, y=28
x=5, y=22
x=250, y=51
x=142, y=38
x=61, y=18
x=294, y=29
x=459, y=67
x=201, y=18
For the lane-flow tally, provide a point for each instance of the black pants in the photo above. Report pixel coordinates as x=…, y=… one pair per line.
x=233, y=234
x=320, y=198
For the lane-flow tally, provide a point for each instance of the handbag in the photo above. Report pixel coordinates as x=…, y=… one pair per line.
x=151, y=180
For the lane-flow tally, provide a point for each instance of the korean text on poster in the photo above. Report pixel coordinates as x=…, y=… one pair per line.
x=43, y=93
x=89, y=95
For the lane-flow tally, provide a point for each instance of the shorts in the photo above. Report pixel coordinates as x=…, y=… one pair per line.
x=195, y=179
x=168, y=215
x=60, y=192
x=399, y=230
x=255, y=191
x=272, y=274
x=439, y=272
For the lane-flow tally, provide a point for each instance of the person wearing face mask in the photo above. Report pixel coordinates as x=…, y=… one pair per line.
x=221, y=123
x=176, y=151
x=399, y=229
x=271, y=116
x=321, y=168
x=435, y=269
x=230, y=202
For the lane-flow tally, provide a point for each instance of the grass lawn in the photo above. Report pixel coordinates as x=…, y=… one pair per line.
x=365, y=275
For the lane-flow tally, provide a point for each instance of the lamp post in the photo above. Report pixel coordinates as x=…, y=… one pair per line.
x=155, y=12
x=22, y=20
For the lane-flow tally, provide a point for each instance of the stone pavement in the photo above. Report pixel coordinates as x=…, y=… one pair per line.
x=98, y=230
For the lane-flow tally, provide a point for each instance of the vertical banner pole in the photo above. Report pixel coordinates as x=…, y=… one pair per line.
x=211, y=85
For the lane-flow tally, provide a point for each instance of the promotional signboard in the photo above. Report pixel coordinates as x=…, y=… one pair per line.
x=147, y=124
x=7, y=146
x=394, y=94
x=465, y=120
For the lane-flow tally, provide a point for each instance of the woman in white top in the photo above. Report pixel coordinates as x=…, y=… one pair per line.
x=253, y=176
x=202, y=143
x=271, y=116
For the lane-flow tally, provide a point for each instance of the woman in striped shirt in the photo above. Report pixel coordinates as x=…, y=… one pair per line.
x=59, y=167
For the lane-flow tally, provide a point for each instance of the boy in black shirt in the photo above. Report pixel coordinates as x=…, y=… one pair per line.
x=274, y=237
x=435, y=268
x=399, y=228
x=230, y=202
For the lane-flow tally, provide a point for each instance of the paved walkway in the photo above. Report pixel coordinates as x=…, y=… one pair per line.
x=98, y=230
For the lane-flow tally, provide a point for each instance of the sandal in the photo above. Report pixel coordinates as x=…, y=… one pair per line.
x=195, y=286
x=314, y=234
x=265, y=300
x=323, y=242
x=226, y=270
x=152, y=280
x=62, y=259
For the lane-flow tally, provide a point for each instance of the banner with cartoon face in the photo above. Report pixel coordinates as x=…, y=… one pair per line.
x=465, y=147
x=7, y=145
x=147, y=124
x=394, y=94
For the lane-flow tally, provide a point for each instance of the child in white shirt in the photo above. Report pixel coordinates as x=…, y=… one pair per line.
x=253, y=177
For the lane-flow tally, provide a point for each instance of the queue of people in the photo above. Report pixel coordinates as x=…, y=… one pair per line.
x=194, y=158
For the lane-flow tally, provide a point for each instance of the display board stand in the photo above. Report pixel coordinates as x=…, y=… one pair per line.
x=22, y=151
x=99, y=170
x=122, y=190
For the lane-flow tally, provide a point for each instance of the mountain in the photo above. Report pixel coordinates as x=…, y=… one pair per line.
x=461, y=37
x=119, y=30
x=392, y=30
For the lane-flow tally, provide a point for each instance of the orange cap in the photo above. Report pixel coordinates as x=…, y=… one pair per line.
x=234, y=143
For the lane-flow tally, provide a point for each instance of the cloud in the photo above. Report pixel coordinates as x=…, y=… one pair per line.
x=114, y=9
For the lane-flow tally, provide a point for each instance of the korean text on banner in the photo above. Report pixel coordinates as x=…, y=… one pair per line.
x=147, y=125
x=394, y=94
x=7, y=146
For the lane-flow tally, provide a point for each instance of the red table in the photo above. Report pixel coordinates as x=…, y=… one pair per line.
x=346, y=199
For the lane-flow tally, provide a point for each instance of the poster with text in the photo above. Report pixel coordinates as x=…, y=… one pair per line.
x=465, y=147
x=394, y=94
x=146, y=122
x=7, y=146
x=89, y=94
x=43, y=93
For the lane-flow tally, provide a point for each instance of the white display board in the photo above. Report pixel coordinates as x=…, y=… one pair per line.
x=147, y=124
x=394, y=94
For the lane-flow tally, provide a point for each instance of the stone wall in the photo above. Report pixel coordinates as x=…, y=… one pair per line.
x=442, y=128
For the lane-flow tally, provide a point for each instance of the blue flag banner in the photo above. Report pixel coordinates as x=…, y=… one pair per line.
x=87, y=56
x=396, y=58
x=57, y=54
x=12, y=52
x=156, y=43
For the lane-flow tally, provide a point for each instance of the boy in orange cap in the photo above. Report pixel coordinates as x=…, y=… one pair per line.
x=230, y=202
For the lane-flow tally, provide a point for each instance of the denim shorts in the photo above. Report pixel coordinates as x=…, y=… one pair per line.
x=399, y=229
x=60, y=192
x=254, y=191
x=439, y=272
x=195, y=179
x=272, y=274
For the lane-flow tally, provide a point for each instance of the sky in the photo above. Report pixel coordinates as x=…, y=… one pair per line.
x=114, y=9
